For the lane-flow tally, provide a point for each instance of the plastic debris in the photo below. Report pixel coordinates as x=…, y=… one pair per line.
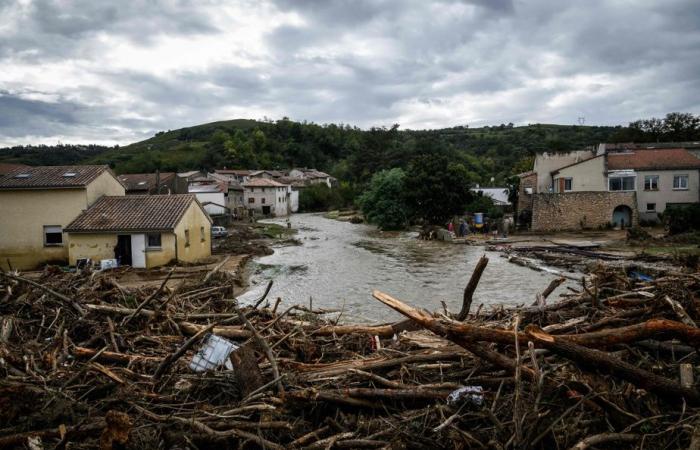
x=108, y=264
x=472, y=394
x=641, y=276
x=213, y=354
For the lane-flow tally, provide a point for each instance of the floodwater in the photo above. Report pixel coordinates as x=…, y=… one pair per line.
x=339, y=264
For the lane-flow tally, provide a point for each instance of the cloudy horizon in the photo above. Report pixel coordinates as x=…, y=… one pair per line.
x=87, y=71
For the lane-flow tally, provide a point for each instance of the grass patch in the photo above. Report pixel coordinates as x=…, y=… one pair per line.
x=274, y=231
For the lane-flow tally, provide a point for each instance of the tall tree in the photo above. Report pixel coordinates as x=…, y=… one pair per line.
x=436, y=188
x=383, y=203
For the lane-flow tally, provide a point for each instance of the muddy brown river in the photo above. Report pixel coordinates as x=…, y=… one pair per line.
x=339, y=264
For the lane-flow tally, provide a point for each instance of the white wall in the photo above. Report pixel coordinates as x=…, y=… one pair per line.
x=275, y=197
x=545, y=163
x=666, y=194
x=216, y=197
x=293, y=200
x=586, y=176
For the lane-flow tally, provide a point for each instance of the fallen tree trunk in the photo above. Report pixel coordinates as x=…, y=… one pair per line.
x=602, y=361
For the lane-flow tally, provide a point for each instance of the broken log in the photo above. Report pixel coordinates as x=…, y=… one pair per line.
x=601, y=361
x=471, y=287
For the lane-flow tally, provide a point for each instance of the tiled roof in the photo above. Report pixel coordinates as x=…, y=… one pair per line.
x=296, y=182
x=143, y=181
x=653, y=159
x=133, y=213
x=9, y=167
x=262, y=182
x=241, y=172
x=50, y=177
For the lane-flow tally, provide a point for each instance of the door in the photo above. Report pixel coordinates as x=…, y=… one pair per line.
x=122, y=252
x=266, y=210
x=622, y=216
x=138, y=251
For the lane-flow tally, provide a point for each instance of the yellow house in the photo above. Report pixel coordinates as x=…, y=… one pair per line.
x=36, y=203
x=142, y=231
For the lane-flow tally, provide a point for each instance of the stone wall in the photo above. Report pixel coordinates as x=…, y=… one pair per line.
x=579, y=210
x=524, y=199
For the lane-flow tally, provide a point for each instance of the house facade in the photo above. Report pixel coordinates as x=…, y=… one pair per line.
x=141, y=231
x=213, y=195
x=267, y=197
x=613, y=184
x=39, y=202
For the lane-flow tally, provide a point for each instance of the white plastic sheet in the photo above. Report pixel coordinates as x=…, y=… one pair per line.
x=213, y=354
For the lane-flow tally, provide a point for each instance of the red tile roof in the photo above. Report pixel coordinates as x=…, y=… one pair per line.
x=653, y=159
x=42, y=177
x=133, y=213
x=9, y=167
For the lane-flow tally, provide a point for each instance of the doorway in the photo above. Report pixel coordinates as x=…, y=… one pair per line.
x=266, y=210
x=122, y=252
x=622, y=216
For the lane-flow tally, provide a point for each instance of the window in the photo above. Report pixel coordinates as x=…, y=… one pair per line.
x=651, y=207
x=621, y=184
x=69, y=175
x=22, y=175
x=53, y=235
x=680, y=182
x=201, y=233
x=568, y=183
x=187, y=238
x=651, y=182
x=153, y=240
x=262, y=200
x=251, y=199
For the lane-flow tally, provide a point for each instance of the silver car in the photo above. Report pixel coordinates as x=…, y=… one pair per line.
x=219, y=232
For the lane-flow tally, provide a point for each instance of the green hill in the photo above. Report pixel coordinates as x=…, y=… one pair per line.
x=347, y=152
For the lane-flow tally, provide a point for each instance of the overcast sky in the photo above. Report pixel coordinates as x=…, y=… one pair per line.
x=118, y=71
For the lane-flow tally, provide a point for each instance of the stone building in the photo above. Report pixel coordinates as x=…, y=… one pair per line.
x=613, y=184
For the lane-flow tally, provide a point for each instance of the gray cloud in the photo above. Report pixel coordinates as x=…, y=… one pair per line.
x=89, y=70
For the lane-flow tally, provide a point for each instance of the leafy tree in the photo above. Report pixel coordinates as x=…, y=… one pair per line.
x=383, y=203
x=436, y=189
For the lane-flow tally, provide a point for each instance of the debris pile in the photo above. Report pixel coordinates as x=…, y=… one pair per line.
x=86, y=362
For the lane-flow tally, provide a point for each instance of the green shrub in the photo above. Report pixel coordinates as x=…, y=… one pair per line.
x=682, y=218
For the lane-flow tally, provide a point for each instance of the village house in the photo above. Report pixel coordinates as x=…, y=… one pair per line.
x=267, y=197
x=612, y=184
x=238, y=175
x=313, y=176
x=234, y=198
x=143, y=231
x=183, y=180
x=149, y=183
x=39, y=202
x=212, y=194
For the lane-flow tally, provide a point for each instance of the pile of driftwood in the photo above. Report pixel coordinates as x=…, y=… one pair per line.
x=86, y=362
